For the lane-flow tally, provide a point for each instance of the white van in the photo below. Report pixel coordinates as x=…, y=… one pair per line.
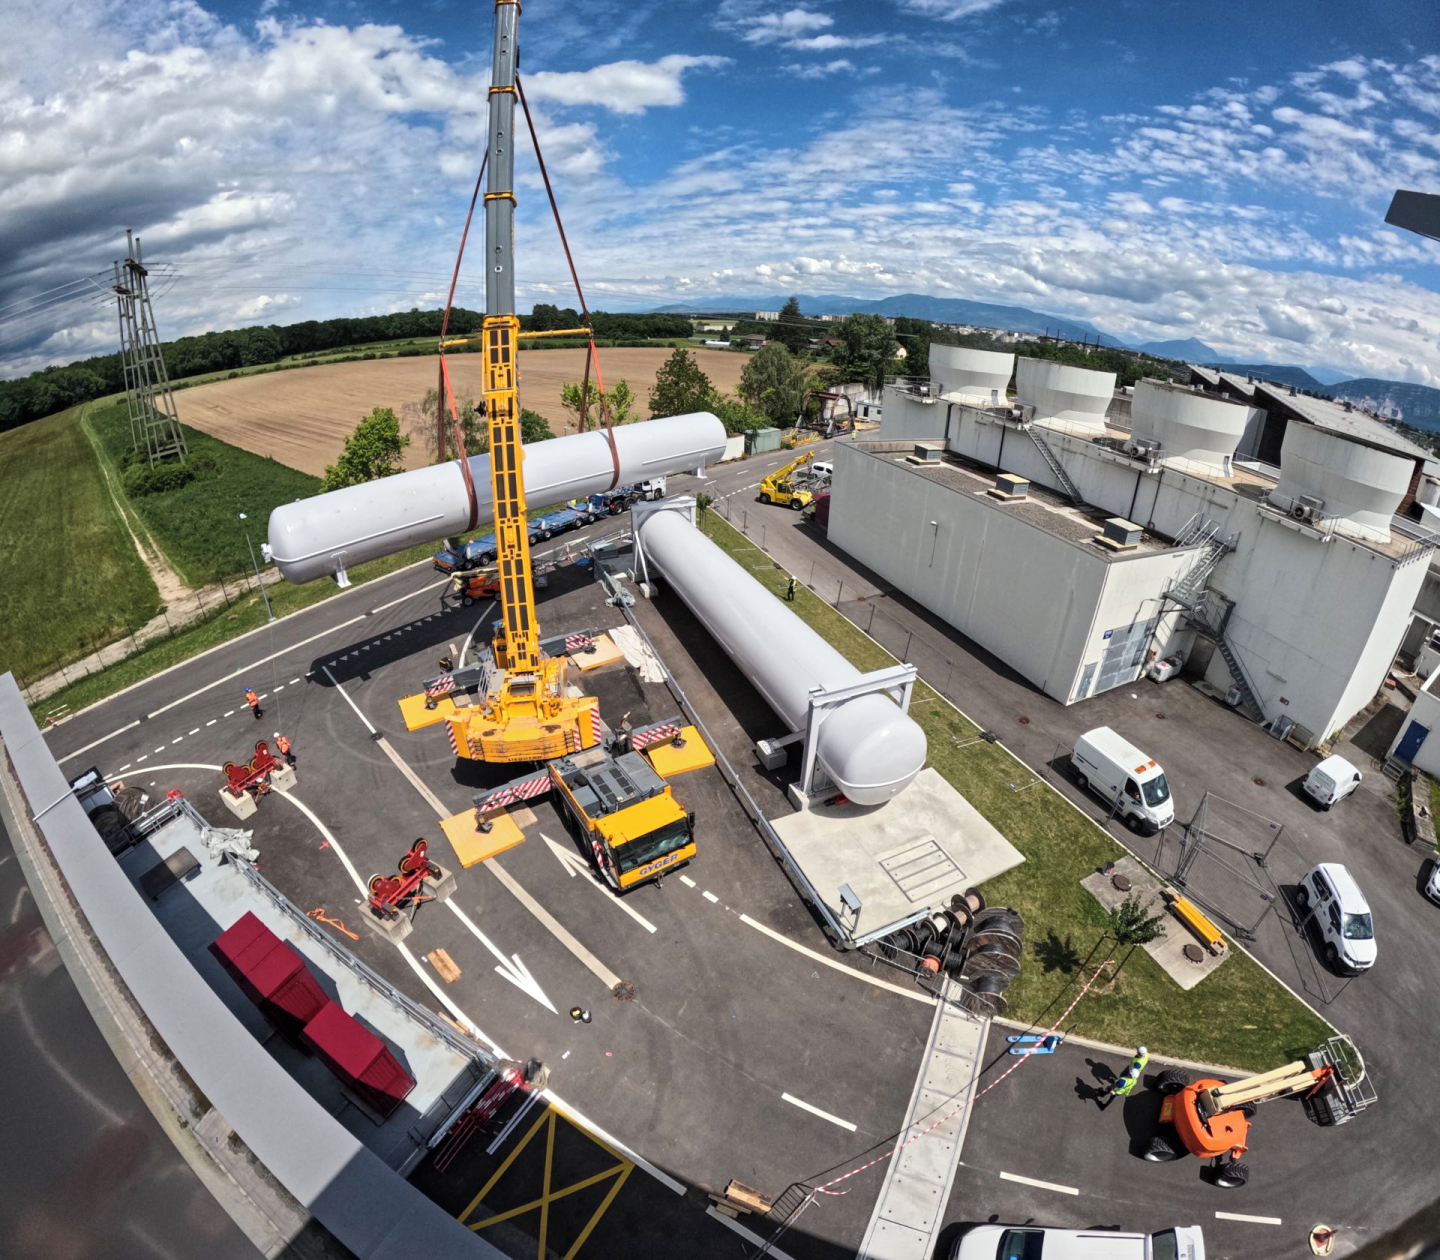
x=1331, y=780
x=1342, y=916
x=1118, y=772
x=1032, y=1242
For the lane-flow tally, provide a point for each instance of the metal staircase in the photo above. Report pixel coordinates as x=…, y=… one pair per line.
x=1056, y=467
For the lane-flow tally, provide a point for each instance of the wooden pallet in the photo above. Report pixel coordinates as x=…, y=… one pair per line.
x=739, y=1198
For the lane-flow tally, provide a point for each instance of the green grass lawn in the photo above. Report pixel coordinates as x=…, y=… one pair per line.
x=72, y=580
x=1238, y=1015
x=198, y=525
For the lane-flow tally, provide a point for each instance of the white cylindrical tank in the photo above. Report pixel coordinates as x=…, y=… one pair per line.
x=1057, y=391
x=1429, y=494
x=315, y=537
x=978, y=373
x=1189, y=428
x=1358, y=484
x=868, y=746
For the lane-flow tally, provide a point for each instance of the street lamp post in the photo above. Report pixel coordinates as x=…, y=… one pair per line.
x=259, y=581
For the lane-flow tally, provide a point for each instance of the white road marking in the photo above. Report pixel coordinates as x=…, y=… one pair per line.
x=1043, y=1185
x=124, y=768
x=212, y=721
x=138, y=760
x=709, y=896
x=97, y=743
x=231, y=713
x=749, y=1235
x=687, y=881
x=160, y=749
x=511, y=968
x=575, y=865
x=638, y=1160
x=280, y=687
x=196, y=731
x=350, y=702
x=835, y=966
x=174, y=741
x=824, y=1115
x=293, y=680
x=1253, y=1220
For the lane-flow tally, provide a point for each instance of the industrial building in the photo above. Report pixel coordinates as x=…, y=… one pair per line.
x=1078, y=532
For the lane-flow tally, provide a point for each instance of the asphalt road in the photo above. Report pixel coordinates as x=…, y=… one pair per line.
x=1363, y=1177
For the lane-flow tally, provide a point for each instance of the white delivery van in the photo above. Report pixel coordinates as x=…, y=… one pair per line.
x=1342, y=916
x=1118, y=772
x=1032, y=1242
x=1331, y=780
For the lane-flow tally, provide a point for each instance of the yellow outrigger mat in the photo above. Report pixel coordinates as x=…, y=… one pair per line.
x=605, y=653
x=418, y=717
x=473, y=846
x=668, y=761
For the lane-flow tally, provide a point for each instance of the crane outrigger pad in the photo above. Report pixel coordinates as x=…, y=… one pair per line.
x=473, y=846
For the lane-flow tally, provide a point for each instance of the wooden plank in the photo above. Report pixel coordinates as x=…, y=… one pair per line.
x=445, y=965
x=749, y=1196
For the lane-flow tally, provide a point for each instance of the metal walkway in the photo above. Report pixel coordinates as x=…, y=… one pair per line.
x=1056, y=467
x=911, y=1206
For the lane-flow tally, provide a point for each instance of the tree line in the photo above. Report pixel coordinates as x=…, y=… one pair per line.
x=53, y=389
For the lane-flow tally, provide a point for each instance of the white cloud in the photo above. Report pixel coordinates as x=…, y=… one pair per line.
x=625, y=87
x=819, y=70
x=950, y=10
x=769, y=28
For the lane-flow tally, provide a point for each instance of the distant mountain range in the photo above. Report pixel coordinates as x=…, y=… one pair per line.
x=1418, y=405
x=915, y=306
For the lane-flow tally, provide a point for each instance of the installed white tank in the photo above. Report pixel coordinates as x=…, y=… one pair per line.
x=1188, y=427
x=319, y=536
x=974, y=373
x=868, y=746
x=1077, y=397
x=1359, y=485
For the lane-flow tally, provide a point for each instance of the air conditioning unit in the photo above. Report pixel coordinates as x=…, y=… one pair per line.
x=1307, y=507
x=1142, y=449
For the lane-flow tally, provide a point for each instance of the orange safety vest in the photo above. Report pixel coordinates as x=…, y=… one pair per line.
x=251, y=698
x=282, y=744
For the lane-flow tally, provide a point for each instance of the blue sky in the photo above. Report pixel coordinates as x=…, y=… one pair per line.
x=1163, y=170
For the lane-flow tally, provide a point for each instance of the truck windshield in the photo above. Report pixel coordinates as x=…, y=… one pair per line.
x=1157, y=791
x=1163, y=1245
x=655, y=844
x=1021, y=1244
x=1358, y=927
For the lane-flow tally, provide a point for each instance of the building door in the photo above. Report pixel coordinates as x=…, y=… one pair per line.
x=1410, y=742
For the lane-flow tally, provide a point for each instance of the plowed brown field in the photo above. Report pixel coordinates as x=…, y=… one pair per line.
x=302, y=417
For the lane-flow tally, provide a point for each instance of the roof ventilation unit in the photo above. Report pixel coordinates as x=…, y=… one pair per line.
x=1308, y=507
x=1119, y=535
x=1009, y=488
x=1058, y=392
x=977, y=374
x=1359, y=487
x=1195, y=431
x=926, y=453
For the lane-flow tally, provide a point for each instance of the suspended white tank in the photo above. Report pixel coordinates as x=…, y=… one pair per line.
x=977, y=374
x=319, y=536
x=1189, y=428
x=1323, y=474
x=1076, y=397
x=868, y=746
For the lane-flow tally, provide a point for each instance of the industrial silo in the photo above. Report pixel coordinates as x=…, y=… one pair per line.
x=1075, y=399
x=1325, y=477
x=978, y=376
x=1189, y=430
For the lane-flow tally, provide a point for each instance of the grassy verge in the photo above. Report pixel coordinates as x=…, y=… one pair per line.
x=198, y=525
x=72, y=580
x=245, y=613
x=1238, y=1015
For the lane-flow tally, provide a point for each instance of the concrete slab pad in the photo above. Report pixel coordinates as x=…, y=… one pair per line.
x=913, y=853
x=471, y=846
x=1167, y=950
x=668, y=761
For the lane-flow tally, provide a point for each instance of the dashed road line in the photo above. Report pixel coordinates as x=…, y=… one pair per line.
x=174, y=741
x=125, y=767
x=824, y=1115
x=687, y=881
x=212, y=721
x=1042, y=1185
x=160, y=749
x=709, y=896
x=140, y=759
x=1240, y=1216
x=196, y=731
x=231, y=713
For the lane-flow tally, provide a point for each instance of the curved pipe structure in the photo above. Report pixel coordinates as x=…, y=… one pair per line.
x=868, y=746
x=328, y=533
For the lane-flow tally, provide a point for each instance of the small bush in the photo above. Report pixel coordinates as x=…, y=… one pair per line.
x=160, y=479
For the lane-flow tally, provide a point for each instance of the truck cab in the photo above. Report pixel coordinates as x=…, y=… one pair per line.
x=1119, y=773
x=1035, y=1242
x=475, y=554
x=636, y=829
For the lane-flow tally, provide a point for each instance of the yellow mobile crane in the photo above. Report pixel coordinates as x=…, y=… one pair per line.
x=782, y=487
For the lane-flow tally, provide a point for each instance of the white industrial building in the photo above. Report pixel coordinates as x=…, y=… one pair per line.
x=1078, y=533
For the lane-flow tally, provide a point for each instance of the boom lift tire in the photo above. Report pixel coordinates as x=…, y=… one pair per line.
x=1161, y=1150
x=1233, y=1175
x=1173, y=1080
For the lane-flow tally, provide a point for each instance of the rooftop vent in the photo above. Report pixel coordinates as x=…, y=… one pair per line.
x=1119, y=535
x=926, y=453
x=1009, y=488
x=1292, y=391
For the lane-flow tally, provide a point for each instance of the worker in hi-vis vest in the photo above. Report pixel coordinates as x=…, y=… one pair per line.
x=1123, y=1084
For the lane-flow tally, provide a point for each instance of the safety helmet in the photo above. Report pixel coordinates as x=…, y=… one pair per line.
x=277, y=734
x=1141, y=1052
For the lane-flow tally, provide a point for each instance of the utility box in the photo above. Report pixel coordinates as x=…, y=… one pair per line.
x=270, y=972
x=932, y=453
x=1120, y=535
x=1009, y=488
x=758, y=441
x=359, y=1059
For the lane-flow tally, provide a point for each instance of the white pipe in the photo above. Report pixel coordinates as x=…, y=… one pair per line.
x=318, y=536
x=868, y=746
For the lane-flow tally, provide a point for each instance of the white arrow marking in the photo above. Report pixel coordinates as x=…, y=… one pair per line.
x=511, y=968
x=575, y=865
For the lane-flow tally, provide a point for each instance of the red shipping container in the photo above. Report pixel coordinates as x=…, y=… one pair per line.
x=359, y=1058
x=271, y=973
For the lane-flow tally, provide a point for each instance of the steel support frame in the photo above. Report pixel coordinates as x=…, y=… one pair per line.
x=644, y=508
x=895, y=681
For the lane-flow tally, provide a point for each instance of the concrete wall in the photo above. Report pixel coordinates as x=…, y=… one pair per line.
x=906, y=418
x=1426, y=711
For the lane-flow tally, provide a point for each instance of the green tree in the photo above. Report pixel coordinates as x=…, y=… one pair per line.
x=680, y=386
x=915, y=336
x=473, y=429
x=736, y=416
x=533, y=428
x=373, y=450
x=621, y=398
x=1132, y=924
x=867, y=345
x=773, y=382
x=790, y=330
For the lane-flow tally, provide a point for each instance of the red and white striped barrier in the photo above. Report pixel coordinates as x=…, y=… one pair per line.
x=442, y=686
x=525, y=790
x=655, y=735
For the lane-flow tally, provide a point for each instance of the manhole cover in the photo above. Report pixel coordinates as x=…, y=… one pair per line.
x=1258, y=781
x=1023, y=720
x=1122, y=882
x=1161, y=716
x=1193, y=953
x=623, y=992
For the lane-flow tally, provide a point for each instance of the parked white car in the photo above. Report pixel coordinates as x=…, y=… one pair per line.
x=1342, y=916
x=1432, y=886
x=1331, y=780
x=1034, y=1242
x=1118, y=772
